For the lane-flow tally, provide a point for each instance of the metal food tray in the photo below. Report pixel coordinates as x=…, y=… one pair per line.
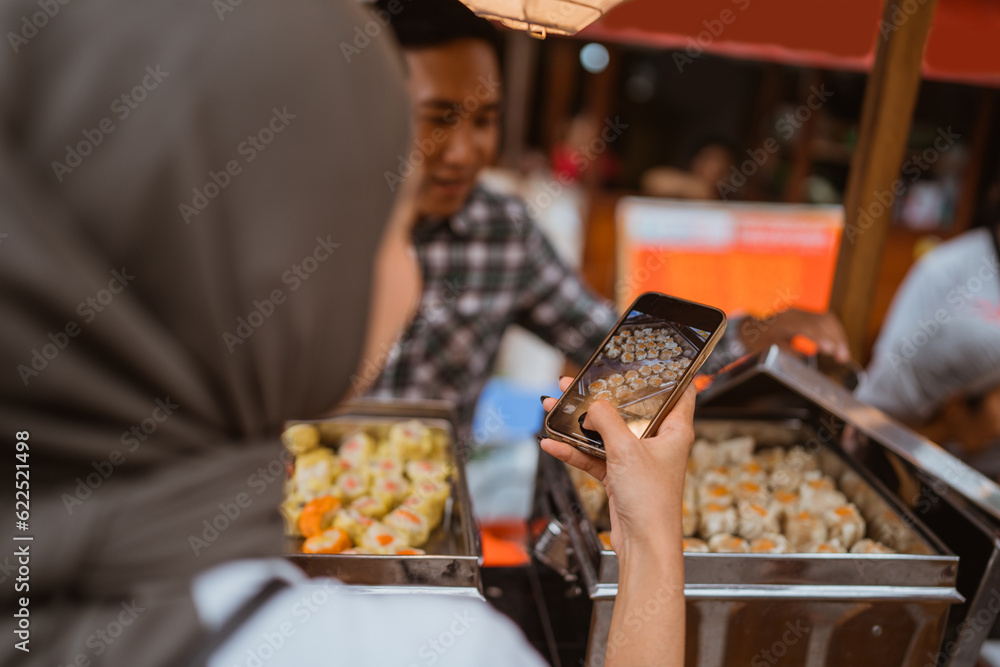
x=454, y=555
x=911, y=609
x=736, y=601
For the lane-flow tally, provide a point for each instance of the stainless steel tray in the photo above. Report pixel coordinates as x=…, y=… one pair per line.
x=926, y=563
x=454, y=555
x=958, y=504
x=890, y=609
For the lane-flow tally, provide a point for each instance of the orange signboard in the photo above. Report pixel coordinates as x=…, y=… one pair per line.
x=759, y=258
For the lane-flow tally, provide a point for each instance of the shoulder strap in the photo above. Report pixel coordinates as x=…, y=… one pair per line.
x=207, y=644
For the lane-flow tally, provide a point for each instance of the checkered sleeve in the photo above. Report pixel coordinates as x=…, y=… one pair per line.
x=556, y=305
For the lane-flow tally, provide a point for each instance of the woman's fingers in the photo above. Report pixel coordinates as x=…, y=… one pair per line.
x=682, y=414
x=549, y=402
x=589, y=464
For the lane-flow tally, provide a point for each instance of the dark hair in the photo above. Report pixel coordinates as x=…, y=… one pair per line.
x=424, y=23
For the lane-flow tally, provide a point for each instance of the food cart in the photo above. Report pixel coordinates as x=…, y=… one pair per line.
x=933, y=602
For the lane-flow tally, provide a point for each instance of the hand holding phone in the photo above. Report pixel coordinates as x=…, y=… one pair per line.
x=644, y=477
x=641, y=368
x=645, y=482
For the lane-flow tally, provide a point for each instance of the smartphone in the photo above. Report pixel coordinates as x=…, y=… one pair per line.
x=641, y=368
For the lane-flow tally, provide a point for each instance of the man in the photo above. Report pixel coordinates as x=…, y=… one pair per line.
x=936, y=363
x=485, y=264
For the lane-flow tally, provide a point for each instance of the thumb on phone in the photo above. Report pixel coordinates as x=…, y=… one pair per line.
x=681, y=418
x=604, y=418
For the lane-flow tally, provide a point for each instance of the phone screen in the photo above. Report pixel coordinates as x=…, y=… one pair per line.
x=638, y=370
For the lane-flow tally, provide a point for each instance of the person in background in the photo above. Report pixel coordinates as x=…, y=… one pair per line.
x=709, y=167
x=485, y=264
x=936, y=363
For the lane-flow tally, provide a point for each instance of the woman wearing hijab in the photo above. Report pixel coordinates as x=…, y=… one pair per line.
x=191, y=206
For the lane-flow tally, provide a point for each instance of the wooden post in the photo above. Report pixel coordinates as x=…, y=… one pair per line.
x=974, y=167
x=560, y=85
x=795, y=189
x=521, y=59
x=886, y=116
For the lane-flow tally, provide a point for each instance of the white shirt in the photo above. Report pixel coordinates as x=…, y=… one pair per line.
x=324, y=622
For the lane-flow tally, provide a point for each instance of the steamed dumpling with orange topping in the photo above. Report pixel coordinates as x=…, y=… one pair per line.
x=390, y=490
x=315, y=472
x=353, y=484
x=715, y=519
x=770, y=543
x=755, y=520
x=728, y=544
x=331, y=541
x=383, y=539
x=411, y=440
x=353, y=522
x=845, y=524
x=414, y=526
x=357, y=451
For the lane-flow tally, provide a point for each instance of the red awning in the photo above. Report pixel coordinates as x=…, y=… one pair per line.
x=964, y=42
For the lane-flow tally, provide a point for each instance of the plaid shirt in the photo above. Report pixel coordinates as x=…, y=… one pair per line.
x=485, y=268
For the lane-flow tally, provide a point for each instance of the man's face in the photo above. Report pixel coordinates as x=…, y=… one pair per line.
x=455, y=91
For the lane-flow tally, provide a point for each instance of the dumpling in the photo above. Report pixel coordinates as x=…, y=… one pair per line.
x=755, y=520
x=300, y=438
x=694, y=545
x=845, y=524
x=717, y=519
x=315, y=472
x=728, y=544
x=770, y=543
x=805, y=528
x=410, y=440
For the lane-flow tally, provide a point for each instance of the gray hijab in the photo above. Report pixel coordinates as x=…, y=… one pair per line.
x=192, y=194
